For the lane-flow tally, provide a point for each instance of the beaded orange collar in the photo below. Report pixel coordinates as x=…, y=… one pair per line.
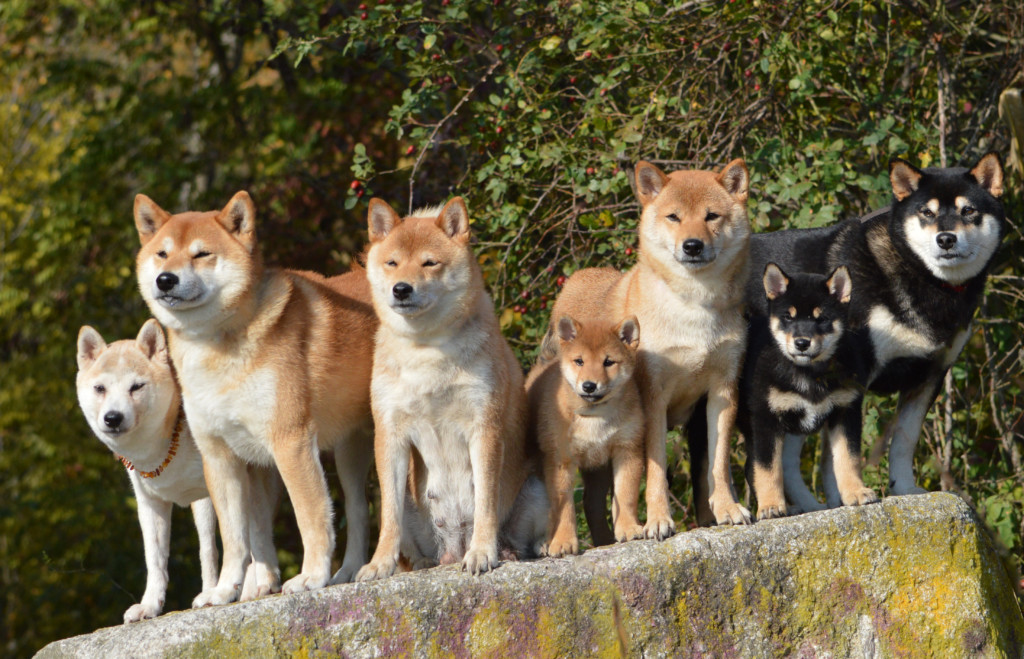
x=172, y=450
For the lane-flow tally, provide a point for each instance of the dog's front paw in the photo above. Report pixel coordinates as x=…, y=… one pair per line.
x=627, y=532
x=260, y=581
x=659, y=527
x=860, y=496
x=216, y=596
x=771, y=511
x=899, y=489
x=562, y=546
x=729, y=512
x=377, y=569
x=303, y=582
x=142, y=611
x=478, y=561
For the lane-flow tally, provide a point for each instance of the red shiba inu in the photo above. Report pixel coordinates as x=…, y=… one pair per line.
x=585, y=410
x=274, y=367
x=448, y=402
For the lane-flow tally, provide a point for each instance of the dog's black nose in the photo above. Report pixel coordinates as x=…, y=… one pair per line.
x=113, y=419
x=165, y=281
x=693, y=247
x=802, y=344
x=589, y=387
x=946, y=240
x=401, y=290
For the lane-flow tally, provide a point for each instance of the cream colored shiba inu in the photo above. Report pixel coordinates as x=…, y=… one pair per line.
x=686, y=290
x=129, y=397
x=448, y=402
x=274, y=367
x=585, y=410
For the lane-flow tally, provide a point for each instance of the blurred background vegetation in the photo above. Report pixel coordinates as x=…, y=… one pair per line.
x=528, y=109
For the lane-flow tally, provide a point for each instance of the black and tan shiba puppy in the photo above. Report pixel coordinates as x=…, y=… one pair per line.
x=919, y=271
x=802, y=374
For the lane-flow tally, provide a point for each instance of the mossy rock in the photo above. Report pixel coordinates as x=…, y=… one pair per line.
x=911, y=577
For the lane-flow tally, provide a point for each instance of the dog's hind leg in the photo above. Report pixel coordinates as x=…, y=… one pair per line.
x=353, y=459
x=596, y=485
x=263, y=576
x=796, y=488
x=206, y=525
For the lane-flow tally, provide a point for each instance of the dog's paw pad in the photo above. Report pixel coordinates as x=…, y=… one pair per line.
x=632, y=532
x=478, y=562
x=732, y=514
x=860, y=497
x=659, y=528
x=376, y=570
x=216, y=597
x=303, y=582
x=559, y=548
x=137, y=612
x=771, y=512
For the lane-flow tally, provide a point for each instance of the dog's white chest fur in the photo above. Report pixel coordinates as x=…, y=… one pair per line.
x=592, y=436
x=813, y=414
x=224, y=399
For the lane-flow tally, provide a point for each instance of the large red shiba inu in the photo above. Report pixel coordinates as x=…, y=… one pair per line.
x=274, y=367
x=447, y=398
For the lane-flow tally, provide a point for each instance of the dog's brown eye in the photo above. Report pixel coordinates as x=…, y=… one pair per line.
x=200, y=255
x=135, y=387
x=672, y=217
x=429, y=263
x=578, y=361
x=608, y=362
x=926, y=212
x=99, y=388
x=711, y=217
x=162, y=254
x=968, y=210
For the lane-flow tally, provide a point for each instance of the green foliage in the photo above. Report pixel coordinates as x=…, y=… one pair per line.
x=532, y=111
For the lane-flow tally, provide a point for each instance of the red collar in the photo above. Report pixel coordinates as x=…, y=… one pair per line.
x=955, y=288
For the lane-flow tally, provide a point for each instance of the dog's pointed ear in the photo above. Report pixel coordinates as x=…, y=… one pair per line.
x=148, y=217
x=381, y=219
x=649, y=182
x=904, y=178
x=629, y=332
x=735, y=178
x=90, y=345
x=989, y=173
x=454, y=219
x=151, y=339
x=239, y=219
x=775, y=281
x=840, y=285
x=568, y=329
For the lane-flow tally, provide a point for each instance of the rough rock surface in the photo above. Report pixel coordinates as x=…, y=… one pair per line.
x=912, y=576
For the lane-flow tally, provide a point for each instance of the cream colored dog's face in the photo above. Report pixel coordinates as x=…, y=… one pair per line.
x=419, y=267
x=125, y=385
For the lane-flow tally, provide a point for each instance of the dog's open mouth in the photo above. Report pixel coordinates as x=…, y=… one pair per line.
x=592, y=398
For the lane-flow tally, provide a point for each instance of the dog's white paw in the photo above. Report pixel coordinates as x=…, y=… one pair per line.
x=860, y=496
x=772, y=512
x=303, y=582
x=627, y=532
x=216, y=596
x=731, y=513
x=260, y=581
x=377, y=569
x=899, y=489
x=478, y=561
x=659, y=528
x=142, y=611
x=562, y=546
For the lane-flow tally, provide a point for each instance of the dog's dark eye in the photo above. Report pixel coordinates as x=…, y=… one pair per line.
x=429, y=263
x=135, y=387
x=968, y=210
x=672, y=217
x=711, y=217
x=608, y=362
x=99, y=388
x=926, y=212
x=578, y=361
x=162, y=254
x=390, y=263
x=200, y=255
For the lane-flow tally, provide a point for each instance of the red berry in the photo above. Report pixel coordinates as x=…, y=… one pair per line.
x=435, y=56
x=572, y=80
x=525, y=295
x=498, y=130
x=560, y=281
x=590, y=171
x=499, y=48
x=748, y=73
x=504, y=108
x=445, y=3
x=757, y=86
x=968, y=107
x=410, y=150
x=362, y=6
x=354, y=185
x=543, y=305
x=360, y=192
x=587, y=54
x=629, y=251
x=363, y=15
x=604, y=91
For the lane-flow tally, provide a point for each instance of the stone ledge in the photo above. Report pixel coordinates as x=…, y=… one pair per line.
x=912, y=576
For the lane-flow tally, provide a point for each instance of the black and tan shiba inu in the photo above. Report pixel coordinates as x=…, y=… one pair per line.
x=802, y=373
x=919, y=271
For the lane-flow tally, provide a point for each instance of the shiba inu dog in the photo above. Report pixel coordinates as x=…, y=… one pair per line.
x=448, y=402
x=585, y=410
x=686, y=292
x=274, y=366
x=919, y=271
x=130, y=398
x=803, y=372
